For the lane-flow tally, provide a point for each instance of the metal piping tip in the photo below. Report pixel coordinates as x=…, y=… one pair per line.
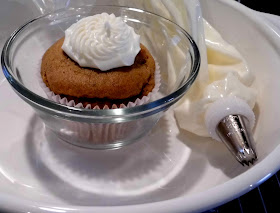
x=235, y=133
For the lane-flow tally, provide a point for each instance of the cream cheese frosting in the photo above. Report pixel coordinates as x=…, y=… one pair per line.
x=101, y=41
x=228, y=76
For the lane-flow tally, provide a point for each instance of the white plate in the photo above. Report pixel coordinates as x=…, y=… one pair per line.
x=169, y=171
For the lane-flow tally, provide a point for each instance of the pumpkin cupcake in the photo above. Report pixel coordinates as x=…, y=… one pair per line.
x=100, y=64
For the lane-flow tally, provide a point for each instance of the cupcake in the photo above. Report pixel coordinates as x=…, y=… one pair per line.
x=99, y=64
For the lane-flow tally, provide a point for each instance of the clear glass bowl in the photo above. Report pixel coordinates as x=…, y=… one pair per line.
x=174, y=49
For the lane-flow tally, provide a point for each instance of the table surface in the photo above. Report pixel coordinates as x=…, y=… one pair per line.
x=266, y=197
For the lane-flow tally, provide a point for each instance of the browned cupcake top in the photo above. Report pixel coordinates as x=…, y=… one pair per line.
x=64, y=76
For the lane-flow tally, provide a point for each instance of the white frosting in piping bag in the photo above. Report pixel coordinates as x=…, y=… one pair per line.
x=228, y=76
x=101, y=41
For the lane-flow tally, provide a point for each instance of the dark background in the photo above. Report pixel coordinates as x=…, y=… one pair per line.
x=266, y=197
x=268, y=6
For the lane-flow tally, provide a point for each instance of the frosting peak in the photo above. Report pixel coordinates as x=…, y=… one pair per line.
x=101, y=41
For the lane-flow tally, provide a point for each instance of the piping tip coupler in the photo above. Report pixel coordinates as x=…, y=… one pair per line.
x=231, y=120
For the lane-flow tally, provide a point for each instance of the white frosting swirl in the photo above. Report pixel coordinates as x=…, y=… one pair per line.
x=101, y=41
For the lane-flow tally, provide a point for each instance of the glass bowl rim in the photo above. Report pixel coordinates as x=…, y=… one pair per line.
x=148, y=108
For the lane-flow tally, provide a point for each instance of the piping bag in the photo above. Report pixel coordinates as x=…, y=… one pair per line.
x=222, y=107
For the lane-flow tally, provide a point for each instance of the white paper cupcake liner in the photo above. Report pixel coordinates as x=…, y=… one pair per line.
x=71, y=103
x=91, y=134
